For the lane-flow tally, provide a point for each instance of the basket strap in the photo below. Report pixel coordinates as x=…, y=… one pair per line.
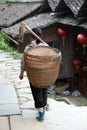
x=58, y=60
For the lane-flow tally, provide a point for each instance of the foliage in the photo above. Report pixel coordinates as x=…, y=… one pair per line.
x=8, y=0
x=85, y=103
x=4, y=42
x=4, y=45
x=57, y=98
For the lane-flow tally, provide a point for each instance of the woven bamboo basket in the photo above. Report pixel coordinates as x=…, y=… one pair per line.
x=41, y=66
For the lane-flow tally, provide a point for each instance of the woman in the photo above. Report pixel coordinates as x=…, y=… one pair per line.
x=39, y=94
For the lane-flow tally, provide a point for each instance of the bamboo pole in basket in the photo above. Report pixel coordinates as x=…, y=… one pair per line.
x=34, y=34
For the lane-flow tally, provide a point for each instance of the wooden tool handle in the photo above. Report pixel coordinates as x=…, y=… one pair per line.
x=34, y=34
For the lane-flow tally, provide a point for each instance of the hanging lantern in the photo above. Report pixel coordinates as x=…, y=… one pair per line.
x=78, y=65
x=63, y=33
x=82, y=39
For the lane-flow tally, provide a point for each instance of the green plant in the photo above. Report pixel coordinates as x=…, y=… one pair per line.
x=4, y=42
x=4, y=45
x=56, y=97
x=47, y=107
x=85, y=103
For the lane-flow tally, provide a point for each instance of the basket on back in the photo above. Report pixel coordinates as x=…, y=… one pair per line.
x=41, y=66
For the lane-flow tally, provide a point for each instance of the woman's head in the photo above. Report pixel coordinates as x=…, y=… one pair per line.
x=37, y=31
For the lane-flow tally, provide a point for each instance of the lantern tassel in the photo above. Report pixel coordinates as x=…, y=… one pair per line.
x=63, y=40
x=84, y=48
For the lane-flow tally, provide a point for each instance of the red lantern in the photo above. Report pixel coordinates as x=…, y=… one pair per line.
x=78, y=64
x=63, y=33
x=82, y=39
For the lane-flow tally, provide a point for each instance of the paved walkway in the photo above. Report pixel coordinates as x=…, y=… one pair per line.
x=60, y=115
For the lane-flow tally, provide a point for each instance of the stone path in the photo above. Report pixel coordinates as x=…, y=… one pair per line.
x=8, y=98
x=9, y=81
x=60, y=115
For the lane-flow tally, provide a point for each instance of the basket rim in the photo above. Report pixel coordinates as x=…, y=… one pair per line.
x=47, y=57
x=56, y=50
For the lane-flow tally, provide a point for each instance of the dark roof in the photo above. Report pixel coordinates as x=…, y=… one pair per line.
x=13, y=12
x=44, y=20
x=41, y=20
x=10, y=13
x=75, y=5
x=3, y=1
x=62, y=5
x=53, y=4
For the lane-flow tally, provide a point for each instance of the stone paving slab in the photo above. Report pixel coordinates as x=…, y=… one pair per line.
x=24, y=90
x=27, y=96
x=8, y=100
x=19, y=123
x=9, y=109
x=28, y=105
x=7, y=93
x=77, y=101
x=4, y=124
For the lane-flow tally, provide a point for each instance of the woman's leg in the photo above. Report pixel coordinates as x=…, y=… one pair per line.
x=38, y=96
x=44, y=91
x=40, y=99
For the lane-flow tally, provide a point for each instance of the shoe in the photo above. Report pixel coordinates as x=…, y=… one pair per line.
x=41, y=116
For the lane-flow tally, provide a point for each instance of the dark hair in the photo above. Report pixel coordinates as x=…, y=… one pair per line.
x=37, y=31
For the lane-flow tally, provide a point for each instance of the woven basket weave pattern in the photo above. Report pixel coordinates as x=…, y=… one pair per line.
x=42, y=71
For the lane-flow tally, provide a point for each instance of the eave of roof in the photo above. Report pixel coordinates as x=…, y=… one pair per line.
x=43, y=20
x=10, y=13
